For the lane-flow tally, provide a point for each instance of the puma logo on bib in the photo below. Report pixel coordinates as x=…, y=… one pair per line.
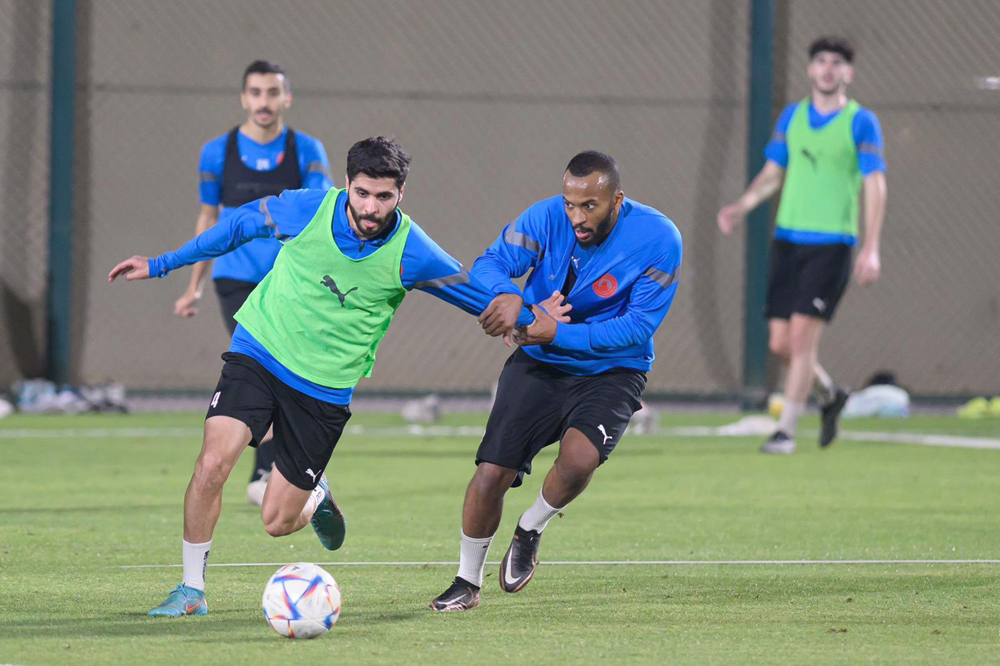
x=332, y=286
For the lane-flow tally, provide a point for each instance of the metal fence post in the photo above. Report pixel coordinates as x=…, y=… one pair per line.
x=60, y=268
x=758, y=131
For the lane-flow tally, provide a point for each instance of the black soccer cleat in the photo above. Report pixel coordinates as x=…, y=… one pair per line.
x=830, y=414
x=518, y=565
x=462, y=595
x=779, y=443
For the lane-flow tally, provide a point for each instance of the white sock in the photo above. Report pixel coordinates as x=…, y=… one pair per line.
x=195, y=556
x=538, y=514
x=314, y=500
x=473, y=558
x=790, y=414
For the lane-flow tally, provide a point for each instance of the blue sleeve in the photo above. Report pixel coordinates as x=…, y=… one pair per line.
x=868, y=138
x=213, y=157
x=270, y=217
x=514, y=253
x=776, y=149
x=313, y=164
x=651, y=298
x=425, y=266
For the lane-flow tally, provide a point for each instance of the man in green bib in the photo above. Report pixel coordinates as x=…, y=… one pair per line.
x=306, y=335
x=822, y=150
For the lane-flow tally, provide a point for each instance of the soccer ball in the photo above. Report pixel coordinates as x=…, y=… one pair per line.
x=301, y=601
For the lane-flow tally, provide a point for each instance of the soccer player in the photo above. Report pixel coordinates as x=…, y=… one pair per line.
x=306, y=335
x=822, y=149
x=263, y=156
x=578, y=382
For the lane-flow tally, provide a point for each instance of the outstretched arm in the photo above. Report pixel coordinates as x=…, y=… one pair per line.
x=257, y=219
x=429, y=268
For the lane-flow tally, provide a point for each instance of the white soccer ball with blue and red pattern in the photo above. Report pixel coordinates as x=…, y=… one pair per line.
x=301, y=601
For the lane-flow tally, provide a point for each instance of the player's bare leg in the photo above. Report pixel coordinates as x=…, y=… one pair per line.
x=804, y=333
x=286, y=508
x=575, y=465
x=483, y=506
x=224, y=441
x=481, y=515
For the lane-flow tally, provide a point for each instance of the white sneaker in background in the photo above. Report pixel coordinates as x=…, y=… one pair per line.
x=255, y=489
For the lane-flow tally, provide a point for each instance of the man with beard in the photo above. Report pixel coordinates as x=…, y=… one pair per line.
x=822, y=149
x=611, y=263
x=306, y=335
x=260, y=157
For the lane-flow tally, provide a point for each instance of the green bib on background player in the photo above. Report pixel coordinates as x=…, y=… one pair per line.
x=322, y=314
x=823, y=181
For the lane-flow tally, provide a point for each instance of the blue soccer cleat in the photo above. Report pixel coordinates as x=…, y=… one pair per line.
x=328, y=519
x=183, y=600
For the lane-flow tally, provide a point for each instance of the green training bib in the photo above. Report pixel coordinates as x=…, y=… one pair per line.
x=322, y=314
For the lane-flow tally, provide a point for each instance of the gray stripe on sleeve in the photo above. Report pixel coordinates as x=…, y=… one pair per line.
x=440, y=283
x=867, y=147
x=317, y=167
x=661, y=278
x=267, y=218
x=513, y=237
x=208, y=177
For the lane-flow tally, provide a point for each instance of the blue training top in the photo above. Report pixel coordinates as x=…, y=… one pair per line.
x=251, y=262
x=623, y=290
x=425, y=266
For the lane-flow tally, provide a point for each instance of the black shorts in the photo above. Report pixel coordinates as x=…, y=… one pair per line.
x=807, y=279
x=306, y=430
x=232, y=294
x=536, y=404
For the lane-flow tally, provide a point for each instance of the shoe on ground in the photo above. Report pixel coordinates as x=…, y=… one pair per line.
x=182, y=601
x=830, y=416
x=256, y=488
x=462, y=595
x=779, y=443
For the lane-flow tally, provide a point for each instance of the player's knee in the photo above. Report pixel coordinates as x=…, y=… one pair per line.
x=278, y=525
x=801, y=342
x=492, y=479
x=210, y=473
x=276, y=529
x=778, y=345
x=576, y=470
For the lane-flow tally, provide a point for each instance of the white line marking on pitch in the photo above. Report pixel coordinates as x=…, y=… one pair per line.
x=919, y=439
x=584, y=563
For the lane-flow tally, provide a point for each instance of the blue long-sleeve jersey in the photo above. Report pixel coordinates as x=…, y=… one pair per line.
x=623, y=290
x=251, y=262
x=425, y=266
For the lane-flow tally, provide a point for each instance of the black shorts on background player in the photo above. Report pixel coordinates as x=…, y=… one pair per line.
x=306, y=430
x=536, y=404
x=807, y=279
x=232, y=294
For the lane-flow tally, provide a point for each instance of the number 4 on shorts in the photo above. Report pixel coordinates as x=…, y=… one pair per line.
x=215, y=398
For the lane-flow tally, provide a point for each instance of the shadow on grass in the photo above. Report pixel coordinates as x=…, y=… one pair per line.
x=118, y=508
x=129, y=625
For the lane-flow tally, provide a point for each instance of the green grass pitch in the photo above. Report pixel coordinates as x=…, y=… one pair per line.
x=79, y=505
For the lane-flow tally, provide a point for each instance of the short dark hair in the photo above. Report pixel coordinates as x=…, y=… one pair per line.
x=263, y=67
x=589, y=161
x=378, y=157
x=833, y=45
